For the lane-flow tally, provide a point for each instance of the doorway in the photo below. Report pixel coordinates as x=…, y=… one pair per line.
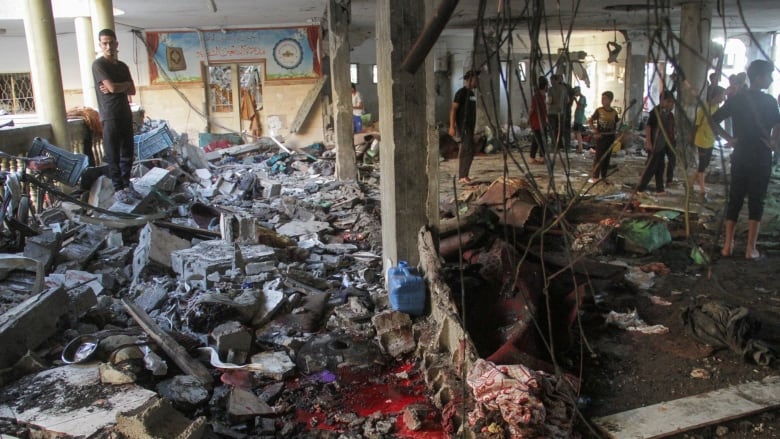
x=234, y=96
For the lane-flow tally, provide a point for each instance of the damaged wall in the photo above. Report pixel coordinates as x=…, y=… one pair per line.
x=162, y=101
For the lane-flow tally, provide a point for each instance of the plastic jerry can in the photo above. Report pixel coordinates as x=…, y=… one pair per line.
x=407, y=289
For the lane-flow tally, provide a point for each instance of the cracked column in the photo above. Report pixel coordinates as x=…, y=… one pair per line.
x=403, y=119
x=338, y=47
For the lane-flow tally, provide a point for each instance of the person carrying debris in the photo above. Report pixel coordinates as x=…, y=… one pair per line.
x=659, y=138
x=704, y=139
x=538, y=119
x=463, y=118
x=603, y=123
x=756, y=122
x=113, y=86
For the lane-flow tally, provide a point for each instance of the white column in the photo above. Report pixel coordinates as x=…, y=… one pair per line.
x=102, y=15
x=45, y=68
x=86, y=45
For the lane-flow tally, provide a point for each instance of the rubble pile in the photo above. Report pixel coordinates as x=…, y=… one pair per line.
x=242, y=297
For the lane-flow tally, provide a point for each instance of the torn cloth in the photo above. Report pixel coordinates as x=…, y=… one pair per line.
x=719, y=325
x=532, y=403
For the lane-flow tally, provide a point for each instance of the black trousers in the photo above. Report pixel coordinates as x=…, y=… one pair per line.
x=466, y=153
x=118, y=149
x=653, y=168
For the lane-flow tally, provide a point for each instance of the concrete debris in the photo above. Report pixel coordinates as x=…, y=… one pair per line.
x=158, y=419
x=70, y=401
x=183, y=390
x=394, y=332
x=255, y=261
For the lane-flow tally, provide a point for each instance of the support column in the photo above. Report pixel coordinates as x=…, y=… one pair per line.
x=432, y=205
x=694, y=60
x=695, y=23
x=338, y=46
x=45, y=69
x=636, y=60
x=102, y=15
x=86, y=46
x=402, y=116
x=488, y=90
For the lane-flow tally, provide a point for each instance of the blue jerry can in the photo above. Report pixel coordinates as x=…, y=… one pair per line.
x=407, y=290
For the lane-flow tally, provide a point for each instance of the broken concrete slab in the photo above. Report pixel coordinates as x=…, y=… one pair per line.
x=300, y=228
x=9, y=263
x=158, y=419
x=685, y=414
x=101, y=194
x=243, y=404
x=159, y=179
x=44, y=248
x=155, y=245
x=195, y=264
x=30, y=323
x=69, y=400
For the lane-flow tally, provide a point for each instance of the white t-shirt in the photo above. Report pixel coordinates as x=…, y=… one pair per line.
x=357, y=101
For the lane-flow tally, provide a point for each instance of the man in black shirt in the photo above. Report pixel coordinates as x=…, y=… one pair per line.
x=756, y=122
x=113, y=85
x=463, y=117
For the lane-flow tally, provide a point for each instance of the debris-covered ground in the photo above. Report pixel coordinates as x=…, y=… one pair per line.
x=243, y=296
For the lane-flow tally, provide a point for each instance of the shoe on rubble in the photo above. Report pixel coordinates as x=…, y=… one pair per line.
x=123, y=196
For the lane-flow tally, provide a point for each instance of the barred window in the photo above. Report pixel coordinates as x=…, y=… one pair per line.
x=16, y=93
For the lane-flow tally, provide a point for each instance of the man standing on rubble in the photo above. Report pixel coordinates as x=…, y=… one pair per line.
x=756, y=122
x=463, y=118
x=114, y=85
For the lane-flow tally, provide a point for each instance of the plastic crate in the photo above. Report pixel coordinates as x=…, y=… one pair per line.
x=153, y=142
x=69, y=165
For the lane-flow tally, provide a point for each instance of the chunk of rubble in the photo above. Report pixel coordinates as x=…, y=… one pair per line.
x=155, y=246
x=195, y=264
x=243, y=404
x=70, y=401
x=27, y=325
x=158, y=419
x=183, y=390
x=394, y=332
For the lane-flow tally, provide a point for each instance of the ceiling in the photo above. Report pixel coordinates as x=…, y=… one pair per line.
x=591, y=14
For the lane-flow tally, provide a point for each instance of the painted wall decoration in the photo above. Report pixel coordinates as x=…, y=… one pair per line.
x=289, y=53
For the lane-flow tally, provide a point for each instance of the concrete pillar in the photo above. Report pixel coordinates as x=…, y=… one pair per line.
x=402, y=116
x=694, y=60
x=338, y=47
x=102, y=15
x=432, y=205
x=488, y=90
x=45, y=69
x=695, y=21
x=636, y=60
x=86, y=45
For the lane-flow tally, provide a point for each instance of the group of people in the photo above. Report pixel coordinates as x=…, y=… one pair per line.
x=753, y=132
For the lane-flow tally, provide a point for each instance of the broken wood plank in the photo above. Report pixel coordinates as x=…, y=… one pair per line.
x=685, y=414
x=308, y=102
x=177, y=353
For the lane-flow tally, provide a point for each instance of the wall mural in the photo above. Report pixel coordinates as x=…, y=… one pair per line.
x=289, y=53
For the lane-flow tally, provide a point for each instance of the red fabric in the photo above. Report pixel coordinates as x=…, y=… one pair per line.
x=313, y=34
x=152, y=42
x=538, y=113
